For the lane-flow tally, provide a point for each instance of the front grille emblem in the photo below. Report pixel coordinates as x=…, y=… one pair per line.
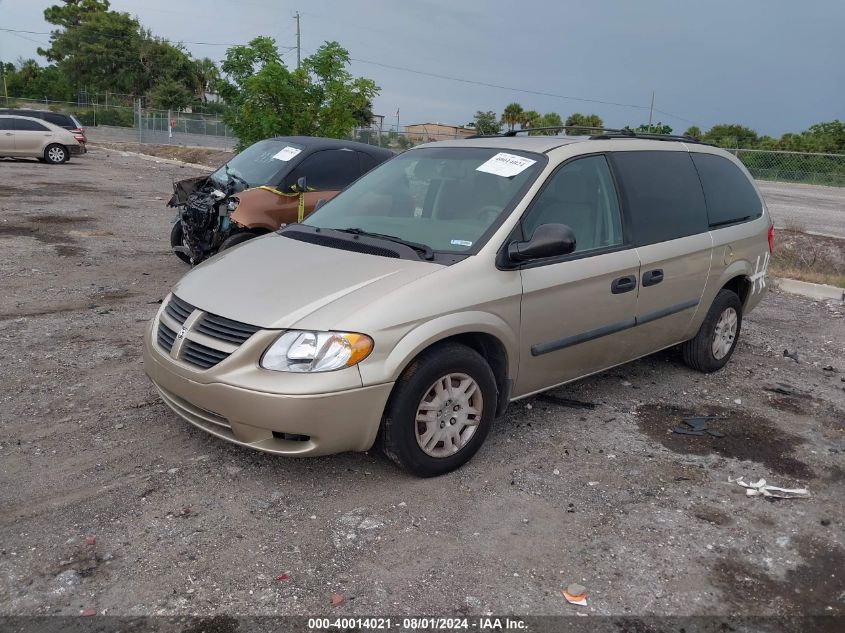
x=182, y=332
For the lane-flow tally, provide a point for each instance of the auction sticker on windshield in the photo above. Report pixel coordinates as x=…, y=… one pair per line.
x=286, y=153
x=506, y=165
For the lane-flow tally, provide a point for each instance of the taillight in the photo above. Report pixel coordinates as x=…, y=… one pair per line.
x=771, y=239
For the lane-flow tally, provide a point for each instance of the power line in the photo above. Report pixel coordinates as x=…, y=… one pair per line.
x=512, y=89
x=169, y=41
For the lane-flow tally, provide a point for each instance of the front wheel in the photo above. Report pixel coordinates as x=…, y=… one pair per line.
x=713, y=346
x=440, y=411
x=56, y=154
x=177, y=240
x=234, y=240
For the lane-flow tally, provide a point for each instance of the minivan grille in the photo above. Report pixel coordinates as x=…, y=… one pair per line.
x=225, y=329
x=178, y=310
x=200, y=355
x=166, y=337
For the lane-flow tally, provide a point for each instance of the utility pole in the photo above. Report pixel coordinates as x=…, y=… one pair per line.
x=298, y=42
x=650, y=111
x=3, y=73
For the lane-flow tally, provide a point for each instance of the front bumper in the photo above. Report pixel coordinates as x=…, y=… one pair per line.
x=333, y=422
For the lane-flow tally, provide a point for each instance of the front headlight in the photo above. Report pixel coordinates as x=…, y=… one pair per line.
x=302, y=351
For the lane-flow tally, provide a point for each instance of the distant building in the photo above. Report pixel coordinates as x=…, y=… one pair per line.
x=423, y=132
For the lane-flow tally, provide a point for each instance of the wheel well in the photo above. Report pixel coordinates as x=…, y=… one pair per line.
x=495, y=354
x=741, y=286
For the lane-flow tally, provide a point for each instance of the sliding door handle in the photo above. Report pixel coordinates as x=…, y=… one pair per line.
x=623, y=284
x=652, y=277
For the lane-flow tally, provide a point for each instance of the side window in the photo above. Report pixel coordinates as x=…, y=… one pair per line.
x=663, y=195
x=367, y=162
x=55, y=119
x=6, y=123
x=729, y=195
x=581, y=195
x=26, y=125
x=328, y=170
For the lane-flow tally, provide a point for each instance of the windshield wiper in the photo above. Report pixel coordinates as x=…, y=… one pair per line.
x=423, y=249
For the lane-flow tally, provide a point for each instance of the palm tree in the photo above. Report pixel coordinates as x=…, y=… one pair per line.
x=207, y=74
x=531, y=118
x=585, y=120
x=512, y=115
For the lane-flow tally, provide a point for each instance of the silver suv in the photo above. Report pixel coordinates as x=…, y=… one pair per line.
x=456, y=278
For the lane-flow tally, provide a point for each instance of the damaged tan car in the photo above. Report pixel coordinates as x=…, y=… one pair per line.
x=271, y=183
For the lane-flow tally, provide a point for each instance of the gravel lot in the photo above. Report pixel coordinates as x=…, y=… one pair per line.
x=110, y=502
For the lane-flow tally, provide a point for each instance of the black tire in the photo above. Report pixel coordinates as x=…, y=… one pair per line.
x=56, y=154
x=698, y=352
x=399, y=426
x=176, y=240
x=234, y=240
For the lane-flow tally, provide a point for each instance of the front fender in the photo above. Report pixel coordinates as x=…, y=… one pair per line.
x=428, y=333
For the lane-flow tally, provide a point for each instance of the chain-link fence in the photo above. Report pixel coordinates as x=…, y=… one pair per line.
x=804, y=167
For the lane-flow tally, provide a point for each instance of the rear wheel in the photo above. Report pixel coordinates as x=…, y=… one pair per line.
x=177, y=240
x=56, y=154
x=713, y=346
x=440, y=411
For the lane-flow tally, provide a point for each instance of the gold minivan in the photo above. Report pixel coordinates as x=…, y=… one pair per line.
x=455, y=278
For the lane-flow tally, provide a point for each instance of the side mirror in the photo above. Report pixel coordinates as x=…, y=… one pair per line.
x=320, y=203
x=301, y=185
x=549, y=240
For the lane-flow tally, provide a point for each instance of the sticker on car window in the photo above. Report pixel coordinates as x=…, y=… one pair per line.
x=461, y=243
x=286, y=153
x=506, y=165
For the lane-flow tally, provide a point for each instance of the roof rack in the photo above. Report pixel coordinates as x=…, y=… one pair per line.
x=604, y=133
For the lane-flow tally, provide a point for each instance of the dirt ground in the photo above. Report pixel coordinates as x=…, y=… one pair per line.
x=109, y=502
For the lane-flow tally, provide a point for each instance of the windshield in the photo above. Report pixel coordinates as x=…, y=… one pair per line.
x=259, y=164
x=444, y=198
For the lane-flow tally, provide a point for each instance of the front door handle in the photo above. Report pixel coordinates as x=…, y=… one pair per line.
x=623, y=284
x=652, y=277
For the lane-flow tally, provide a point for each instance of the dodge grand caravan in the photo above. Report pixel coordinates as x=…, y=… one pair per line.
x=455, y=278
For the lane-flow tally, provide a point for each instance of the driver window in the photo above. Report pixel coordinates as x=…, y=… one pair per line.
x=581, y=195
x=327, y=170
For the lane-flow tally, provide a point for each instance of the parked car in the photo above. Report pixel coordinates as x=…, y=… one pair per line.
x=456, y=278
x=62, y=119
x=25, y=137
x=256, y=192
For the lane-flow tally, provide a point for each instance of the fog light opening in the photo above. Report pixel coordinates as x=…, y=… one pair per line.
x=291, y=437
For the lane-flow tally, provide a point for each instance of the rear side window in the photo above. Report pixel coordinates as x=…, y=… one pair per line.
x=57, y=119
x=327, y=170
x=730, y=196
x=26, y=125
x=6, y=123
x=663, y=195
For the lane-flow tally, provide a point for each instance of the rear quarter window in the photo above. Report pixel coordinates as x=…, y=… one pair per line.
x=729, y=194
x=57, y=119
x=662, y=195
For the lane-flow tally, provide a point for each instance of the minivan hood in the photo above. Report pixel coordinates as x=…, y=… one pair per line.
x=275, y=282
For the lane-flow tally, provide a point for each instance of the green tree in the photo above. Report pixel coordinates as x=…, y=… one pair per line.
x=655, y=128
x=102, y=52
x=529, y=118
x=486, y=122
x=731, y=135
x=511, y=115
x=321, y=98
x=169, y=94
x=207, y=75
x=550, y=119
x=588, y=121
x=693, y=132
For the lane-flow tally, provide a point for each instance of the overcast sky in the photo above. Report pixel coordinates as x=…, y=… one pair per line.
x=774, y=65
